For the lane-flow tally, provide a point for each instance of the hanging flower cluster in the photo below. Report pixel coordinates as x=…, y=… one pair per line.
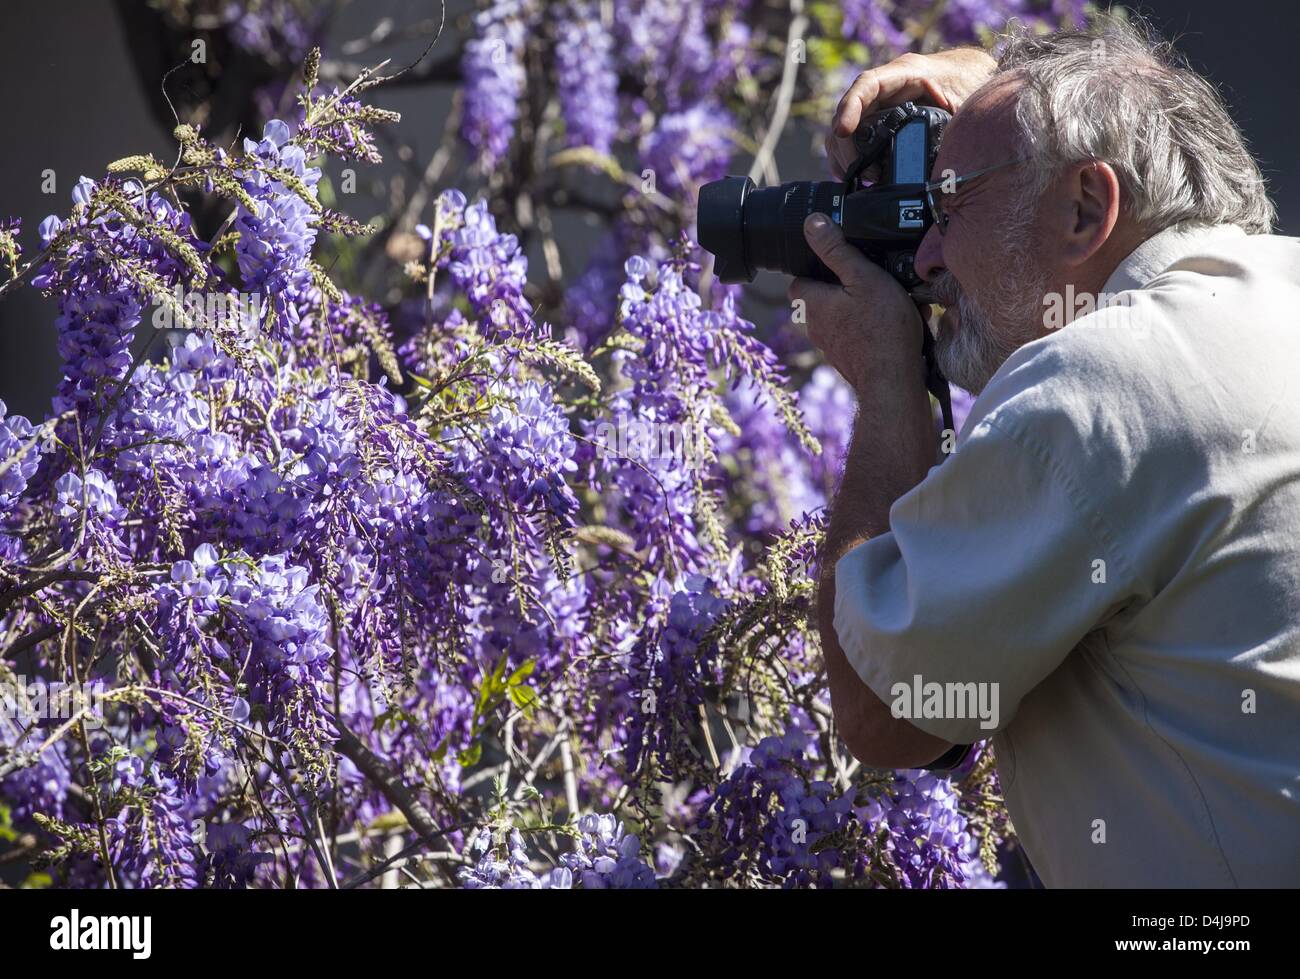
x=328, y=580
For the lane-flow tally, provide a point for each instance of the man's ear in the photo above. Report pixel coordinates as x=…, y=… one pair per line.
x=1091, y=191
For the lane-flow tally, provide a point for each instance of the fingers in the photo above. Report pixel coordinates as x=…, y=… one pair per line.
x=835, y=146
x=811, y=291
x=827, y=240
x=841, y=154
x=879, y=88
x=814, y=295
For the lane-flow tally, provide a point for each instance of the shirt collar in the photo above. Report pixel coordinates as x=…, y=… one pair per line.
x=1162, y=250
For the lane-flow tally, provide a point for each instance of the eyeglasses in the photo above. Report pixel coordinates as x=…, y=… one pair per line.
x=948, y=188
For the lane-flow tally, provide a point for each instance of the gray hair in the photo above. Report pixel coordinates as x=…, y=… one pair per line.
x=1120, y=95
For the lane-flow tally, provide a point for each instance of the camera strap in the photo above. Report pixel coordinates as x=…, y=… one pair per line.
x=935, y=382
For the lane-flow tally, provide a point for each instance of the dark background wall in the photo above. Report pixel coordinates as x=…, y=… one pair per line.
x=72, y=105
x=74, y=102
x=1248, y=49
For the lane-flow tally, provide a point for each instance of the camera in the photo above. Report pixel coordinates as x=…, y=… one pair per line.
x=748, y=228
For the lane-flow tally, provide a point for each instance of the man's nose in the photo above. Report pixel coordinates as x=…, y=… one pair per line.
x=929, y=257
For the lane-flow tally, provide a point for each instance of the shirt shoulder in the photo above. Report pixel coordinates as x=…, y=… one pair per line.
x=1196, y=327
x=1073, y=396
x=1164, y=407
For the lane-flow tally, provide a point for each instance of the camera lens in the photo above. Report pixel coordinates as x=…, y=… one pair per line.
x=721, y=221
x=748, y=228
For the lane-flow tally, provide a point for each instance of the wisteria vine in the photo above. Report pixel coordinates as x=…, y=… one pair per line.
x=467, y=599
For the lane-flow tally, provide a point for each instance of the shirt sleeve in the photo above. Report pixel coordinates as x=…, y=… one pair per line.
x=994, y=568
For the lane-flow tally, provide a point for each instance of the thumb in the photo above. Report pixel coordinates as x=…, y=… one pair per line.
x=826, y=239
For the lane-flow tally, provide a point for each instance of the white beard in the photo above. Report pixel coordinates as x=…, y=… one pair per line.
x=971, y=354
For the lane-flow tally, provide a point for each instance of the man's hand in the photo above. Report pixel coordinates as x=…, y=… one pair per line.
x=867, y=327
x=870, y=330
x=945, y=79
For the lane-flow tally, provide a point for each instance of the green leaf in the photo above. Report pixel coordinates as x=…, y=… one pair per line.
x=392, y=717
x=493, y=688
x=524, y=697
x=470, y=756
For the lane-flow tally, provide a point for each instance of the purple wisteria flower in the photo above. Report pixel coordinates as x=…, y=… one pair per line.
x=926, y=835
x=494, y=79
x=20, y=455
x=511, y=873
x=776, y=820
x=342, y=561
x=275, y=243
x=689, y=148
x=608, y=857
x=875, y=23
x=586, y=77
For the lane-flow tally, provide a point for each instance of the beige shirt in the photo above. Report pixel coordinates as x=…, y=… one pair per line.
x=1115, y=543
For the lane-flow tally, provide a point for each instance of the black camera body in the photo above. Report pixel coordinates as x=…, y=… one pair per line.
x=749, y=228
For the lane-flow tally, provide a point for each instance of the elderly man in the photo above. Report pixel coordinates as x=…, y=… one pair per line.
x=1111, y=555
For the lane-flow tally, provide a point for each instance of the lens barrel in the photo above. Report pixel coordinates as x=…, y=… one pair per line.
x=747, y=228
x=720, y=218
